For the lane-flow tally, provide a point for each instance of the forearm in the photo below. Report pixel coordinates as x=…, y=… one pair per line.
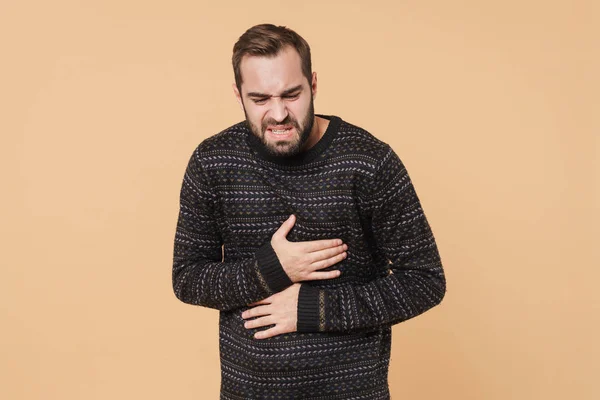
x=416, y=281
x=389, y=300
x=200, y=276
x=206, y=281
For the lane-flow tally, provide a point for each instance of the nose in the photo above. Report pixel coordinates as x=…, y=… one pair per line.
x=279, y=110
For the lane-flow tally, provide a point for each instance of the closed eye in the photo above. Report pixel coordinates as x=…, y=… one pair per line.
x=291, y=96
x=260, y=101
x=263, y=100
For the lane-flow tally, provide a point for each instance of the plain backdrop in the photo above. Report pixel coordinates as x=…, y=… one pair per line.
x=492, y=105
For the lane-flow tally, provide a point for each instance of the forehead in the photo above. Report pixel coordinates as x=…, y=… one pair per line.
x=272, y=74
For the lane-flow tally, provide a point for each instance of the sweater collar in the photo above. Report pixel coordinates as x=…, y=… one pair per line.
x=301, y=158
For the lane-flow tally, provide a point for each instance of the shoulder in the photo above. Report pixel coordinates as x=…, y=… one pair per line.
x=230, y=139
x=355, y=140
x=222, y=148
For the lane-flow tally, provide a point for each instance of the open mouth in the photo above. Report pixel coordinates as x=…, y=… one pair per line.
x=281, y=132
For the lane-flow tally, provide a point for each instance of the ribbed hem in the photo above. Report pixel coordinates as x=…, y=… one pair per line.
x=271, y=269
x=308, y=309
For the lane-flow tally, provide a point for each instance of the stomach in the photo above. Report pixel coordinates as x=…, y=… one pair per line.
x=302, y=365
x=293, y=352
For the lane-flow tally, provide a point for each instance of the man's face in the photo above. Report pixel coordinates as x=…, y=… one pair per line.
x=278, y=101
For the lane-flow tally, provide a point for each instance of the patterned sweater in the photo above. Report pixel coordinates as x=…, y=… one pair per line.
x=351, y=186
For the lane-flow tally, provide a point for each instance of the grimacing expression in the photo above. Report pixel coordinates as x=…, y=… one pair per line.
x=283, y=147
x=278, y=101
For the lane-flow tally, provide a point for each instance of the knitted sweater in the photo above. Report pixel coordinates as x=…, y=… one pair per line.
x=351, y=186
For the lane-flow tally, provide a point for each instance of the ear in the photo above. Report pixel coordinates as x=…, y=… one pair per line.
x=313, y=85
x=238, y=95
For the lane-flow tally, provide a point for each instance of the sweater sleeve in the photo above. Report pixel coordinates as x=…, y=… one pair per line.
x=415, y=281
x=200, y=276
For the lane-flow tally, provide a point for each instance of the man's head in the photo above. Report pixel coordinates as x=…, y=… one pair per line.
x=275, y=87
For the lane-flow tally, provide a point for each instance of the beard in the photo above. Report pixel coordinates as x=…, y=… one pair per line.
x=283, y=147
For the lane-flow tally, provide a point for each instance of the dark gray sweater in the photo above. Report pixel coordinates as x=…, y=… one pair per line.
x=351, y=186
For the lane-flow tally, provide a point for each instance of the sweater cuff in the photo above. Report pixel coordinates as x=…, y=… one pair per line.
x=308, y=309
x=271, y=269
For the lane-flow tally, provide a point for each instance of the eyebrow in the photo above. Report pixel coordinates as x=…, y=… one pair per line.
x=284, y=93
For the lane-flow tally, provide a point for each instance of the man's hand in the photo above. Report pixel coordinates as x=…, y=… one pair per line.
x=302, y=261
x=280, y=309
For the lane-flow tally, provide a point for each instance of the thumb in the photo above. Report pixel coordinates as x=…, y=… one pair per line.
x=286, y=227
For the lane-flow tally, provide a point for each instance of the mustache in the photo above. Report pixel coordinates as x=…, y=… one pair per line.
x=286, y=121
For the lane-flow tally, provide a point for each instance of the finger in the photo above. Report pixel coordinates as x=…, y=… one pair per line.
x=328, y=262
x=276, y=330
x=327, y=253
x=259, y=322
x=256, y=312
x=317, y=245
x=315, y=276
x=263, y=301
x=286, y=227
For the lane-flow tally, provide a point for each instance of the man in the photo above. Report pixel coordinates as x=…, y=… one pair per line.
x=325, y=244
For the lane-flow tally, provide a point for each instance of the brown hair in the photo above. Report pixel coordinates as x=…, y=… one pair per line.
x=268, y=40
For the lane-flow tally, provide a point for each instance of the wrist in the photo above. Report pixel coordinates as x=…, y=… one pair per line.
x=271, y=269
x=309, y=316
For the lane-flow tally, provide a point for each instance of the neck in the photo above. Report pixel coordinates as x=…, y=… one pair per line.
x=319, y=127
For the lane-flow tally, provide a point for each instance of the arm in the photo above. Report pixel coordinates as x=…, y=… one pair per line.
x=200, y=277
x=416, y=280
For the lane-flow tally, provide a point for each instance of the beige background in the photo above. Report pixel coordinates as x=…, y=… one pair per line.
x=492, y=105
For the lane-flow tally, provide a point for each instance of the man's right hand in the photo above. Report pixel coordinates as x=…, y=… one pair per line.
x=302, y=261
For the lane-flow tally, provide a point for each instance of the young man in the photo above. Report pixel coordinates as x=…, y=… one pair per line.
x=325, y=242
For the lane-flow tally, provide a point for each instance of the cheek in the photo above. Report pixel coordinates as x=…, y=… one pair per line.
x=299, y=108
x=254, y=114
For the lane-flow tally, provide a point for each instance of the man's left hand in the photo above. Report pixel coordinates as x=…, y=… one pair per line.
x=280, y=309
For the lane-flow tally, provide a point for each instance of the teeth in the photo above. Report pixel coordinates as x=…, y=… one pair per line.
x=280, y=131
